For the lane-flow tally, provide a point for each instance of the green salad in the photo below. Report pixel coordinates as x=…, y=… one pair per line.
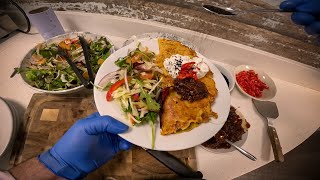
x=135, y=86
x=49, y=71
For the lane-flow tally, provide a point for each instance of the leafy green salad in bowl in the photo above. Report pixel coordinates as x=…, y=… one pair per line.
x=45, y=70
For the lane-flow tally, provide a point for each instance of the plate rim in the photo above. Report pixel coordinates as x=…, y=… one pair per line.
x=164, y=35
x=229, y=75
x=2, y=151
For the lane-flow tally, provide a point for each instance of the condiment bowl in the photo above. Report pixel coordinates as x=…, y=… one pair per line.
x=239, y=143
x=266, y=93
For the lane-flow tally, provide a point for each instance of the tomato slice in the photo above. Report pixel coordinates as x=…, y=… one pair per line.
x=136, y=97
x=187, y=71
x=114, y=87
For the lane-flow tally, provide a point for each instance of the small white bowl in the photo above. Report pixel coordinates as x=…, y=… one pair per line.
x=227, y=75
x=267, y=93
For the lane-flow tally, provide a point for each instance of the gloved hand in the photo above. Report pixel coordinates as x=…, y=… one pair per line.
x=86, y=146
x=306, y=13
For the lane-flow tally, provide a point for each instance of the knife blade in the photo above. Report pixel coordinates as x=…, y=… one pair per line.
x=175, y=164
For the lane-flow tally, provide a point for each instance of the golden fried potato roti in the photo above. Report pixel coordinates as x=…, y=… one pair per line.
x=179, y=115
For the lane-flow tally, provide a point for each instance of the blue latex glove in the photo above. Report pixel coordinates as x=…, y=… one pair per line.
x=86, y=146
x=306, y=13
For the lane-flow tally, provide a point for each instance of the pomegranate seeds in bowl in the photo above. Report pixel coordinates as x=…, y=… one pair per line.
x=254, y=83
x=250, y=83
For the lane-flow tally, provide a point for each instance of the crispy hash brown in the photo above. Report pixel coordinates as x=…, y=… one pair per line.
x=179, y=115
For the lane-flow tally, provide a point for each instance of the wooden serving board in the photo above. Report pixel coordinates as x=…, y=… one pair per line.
x=48, y=117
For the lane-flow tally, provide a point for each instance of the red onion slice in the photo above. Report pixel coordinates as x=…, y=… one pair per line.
x=108, y=77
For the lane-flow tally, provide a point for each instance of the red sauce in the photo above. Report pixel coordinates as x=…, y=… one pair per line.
x=250, y=83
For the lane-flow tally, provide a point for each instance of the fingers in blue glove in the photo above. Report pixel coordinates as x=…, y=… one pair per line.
x=96, y=114
x=302, y=18
x=102, y=124
x=305, y=13
x=313, y=28
x=290, y=5
x=123, y=144
x=87, y=145
x=312, y=7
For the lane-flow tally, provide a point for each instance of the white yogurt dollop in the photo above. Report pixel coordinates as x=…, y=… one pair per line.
x=174, y=63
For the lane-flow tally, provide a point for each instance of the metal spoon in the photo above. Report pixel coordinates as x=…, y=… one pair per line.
x=244, y=152
x=230, y=12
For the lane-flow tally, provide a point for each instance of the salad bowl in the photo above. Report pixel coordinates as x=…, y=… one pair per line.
x=63, y=81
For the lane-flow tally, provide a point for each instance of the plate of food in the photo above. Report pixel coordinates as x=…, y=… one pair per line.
x=235, y=130
x=44, y=70
x=171, y=96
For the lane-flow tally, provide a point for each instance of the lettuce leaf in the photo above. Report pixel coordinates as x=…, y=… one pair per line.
x=152, y=105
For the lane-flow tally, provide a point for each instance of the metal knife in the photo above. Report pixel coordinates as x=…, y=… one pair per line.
x=175, y=164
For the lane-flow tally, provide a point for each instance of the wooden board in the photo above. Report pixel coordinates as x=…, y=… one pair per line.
x=48, y=117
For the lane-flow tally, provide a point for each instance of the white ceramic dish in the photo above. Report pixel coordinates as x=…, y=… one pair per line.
x=24, y=63
x=16, y=121
x=6, y=128
x=141, y=136
x=16, y=118
x=228, y=75
x=267, y=93
x=238, y=143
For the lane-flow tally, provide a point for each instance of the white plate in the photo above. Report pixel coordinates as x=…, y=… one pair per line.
x=154, y=35
x=141, y=135
x=25, y=62
x=16, y=118
x=6, y=127
x=267, y=93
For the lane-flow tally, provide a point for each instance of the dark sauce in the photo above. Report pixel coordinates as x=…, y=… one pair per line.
x=225, y=78
x=231, y=130
x=190, y=89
